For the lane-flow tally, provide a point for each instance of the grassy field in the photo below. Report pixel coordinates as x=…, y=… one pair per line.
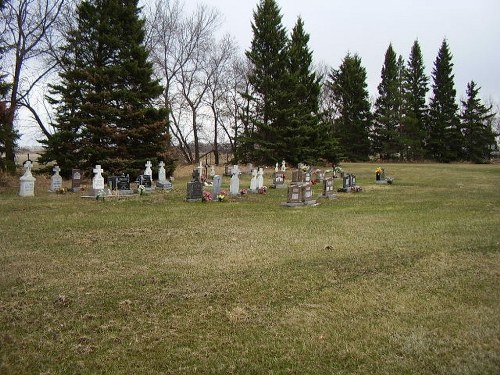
x=397, y=279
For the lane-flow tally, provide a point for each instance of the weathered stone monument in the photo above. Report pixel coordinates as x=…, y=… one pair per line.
x=253, y=182
x=76, y=178
x=279, y=180
x=98, y=181
x=194, y=191
x=120, y=184
x=56, y=180
x=260, y=178
x=217, y=183
x=234, y=186
x=163, y=183
x=27, y=181
x=328, y=189
x=148, y=171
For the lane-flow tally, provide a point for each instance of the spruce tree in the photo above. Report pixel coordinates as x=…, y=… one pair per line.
x=268, y=76
x=303, y=134
x=478, y=135
x=350, y=97
x=415, y=86
x=444, y=141
x=105, y=100
x=387, y=117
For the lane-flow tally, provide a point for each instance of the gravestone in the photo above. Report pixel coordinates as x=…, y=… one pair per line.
x=76, y=178
x=307, y=194
x=253, y=182
x=294, y=196
x=279, y=180
x=234, y=187
x=148, y=171
x=145, y=180
x=217, y=183
x=120, y=184
x=260, y=178
x=346, y=182
x=277, y=167
x=98, y=181
x=194, y=191
x=283, y=166
x=212, y=172
x=163, y=183
x=328, y=190
x=56, y=180
x=27, y=181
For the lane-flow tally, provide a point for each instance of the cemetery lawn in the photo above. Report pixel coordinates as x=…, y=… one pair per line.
x=396, y=279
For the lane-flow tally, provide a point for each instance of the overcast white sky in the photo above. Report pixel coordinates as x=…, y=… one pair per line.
x=366, y=27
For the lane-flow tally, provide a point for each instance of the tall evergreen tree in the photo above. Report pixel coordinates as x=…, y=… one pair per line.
x=415, y=87
x=444, y=141
x=269, y=59
x=105, y=100
x=304, y=135
x=387, y=116
x=478, y=135
x=350, y=97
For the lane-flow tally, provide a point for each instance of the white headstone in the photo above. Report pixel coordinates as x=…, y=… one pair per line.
x=283, y=166
x=260, y=178
x=27, y=181
x=212, y=171
x=217, y=183
x=277, y=168
x=234, y=187
x=56, y=179
x=148, y=171
x=162, y=174
x=98, y=180
x=253, y=181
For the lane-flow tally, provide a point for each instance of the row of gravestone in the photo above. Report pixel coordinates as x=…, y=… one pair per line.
x=119, y=184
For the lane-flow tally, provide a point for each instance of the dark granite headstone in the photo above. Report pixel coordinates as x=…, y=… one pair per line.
x=144, y=180
x=76, y=178
x=194, y=191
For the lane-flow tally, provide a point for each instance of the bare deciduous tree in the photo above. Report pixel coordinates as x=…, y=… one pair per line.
x=180, y=49
x=26, y=25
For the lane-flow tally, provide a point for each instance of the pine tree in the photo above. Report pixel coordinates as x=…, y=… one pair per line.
x=478, y=135
x=303, y=134
x=269, y=59
x=105, y=100
x=387, y=116
x=444, y=141
x=415, y=86
x=350, y=97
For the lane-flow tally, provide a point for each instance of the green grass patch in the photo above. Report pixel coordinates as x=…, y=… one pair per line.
x=397, y=279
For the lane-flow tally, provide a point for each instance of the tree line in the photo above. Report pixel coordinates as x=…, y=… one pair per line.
x=126, y=83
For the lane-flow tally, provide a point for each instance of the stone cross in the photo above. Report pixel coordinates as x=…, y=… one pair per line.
x=148, y=171
x=98, y=171
x=56, y=179
x=98, y=180
x=27, y=168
